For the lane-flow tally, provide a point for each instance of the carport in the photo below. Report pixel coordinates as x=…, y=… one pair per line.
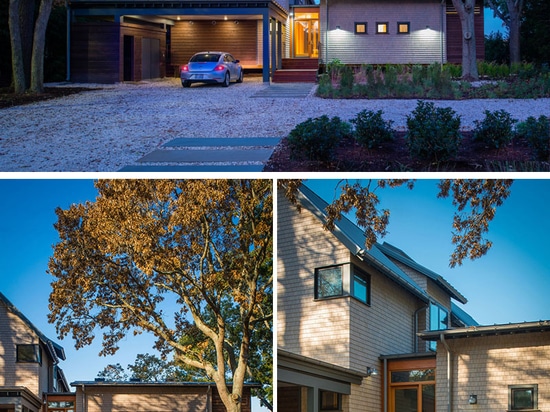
x=112, y=41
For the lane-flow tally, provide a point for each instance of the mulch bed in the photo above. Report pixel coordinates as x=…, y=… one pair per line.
x=394, y=157
x=8, y=99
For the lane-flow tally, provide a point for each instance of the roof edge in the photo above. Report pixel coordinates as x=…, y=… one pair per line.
x=487, y=330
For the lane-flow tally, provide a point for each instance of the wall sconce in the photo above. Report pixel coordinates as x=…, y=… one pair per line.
x=213, y=22
x=191, y=22
x=337, y=27
x=427, y=27
x=372, y=371
x=236, y=22
x=472, y=400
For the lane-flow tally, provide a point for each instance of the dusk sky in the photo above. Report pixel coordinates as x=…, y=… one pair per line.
x=511, y=283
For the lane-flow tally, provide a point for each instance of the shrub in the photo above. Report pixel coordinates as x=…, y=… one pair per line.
x=496, y=129
x=537, y=134
x=371, y=129
x=317, y=139
x=433, y=133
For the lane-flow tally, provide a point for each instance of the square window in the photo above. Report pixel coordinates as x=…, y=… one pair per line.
x=361, y=28
x=403, y=27
x=328, y=282
x=523, y=397
x=382, y=28
x=360, y=288
x=29, y=353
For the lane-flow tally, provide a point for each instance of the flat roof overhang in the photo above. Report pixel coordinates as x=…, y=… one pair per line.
x=492, y=330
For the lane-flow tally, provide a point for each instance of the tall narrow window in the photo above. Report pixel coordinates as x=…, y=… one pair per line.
x=439, y=320
x=360, y=286
x=328, y=282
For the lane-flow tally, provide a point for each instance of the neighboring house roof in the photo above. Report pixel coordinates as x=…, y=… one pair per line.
x=56, y=352
x=354, y=239
x=396, y=253
x=491, y=330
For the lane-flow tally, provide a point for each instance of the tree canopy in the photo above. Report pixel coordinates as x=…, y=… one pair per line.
x=475, y=201
x=204, y=245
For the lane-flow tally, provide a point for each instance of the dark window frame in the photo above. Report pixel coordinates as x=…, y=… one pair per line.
x=317, y=273
x=512, y=399
x=400, y=23
x=24, y=354
x=386, y=24
x=361, y=23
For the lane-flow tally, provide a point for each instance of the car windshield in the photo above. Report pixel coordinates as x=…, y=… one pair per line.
x=205, y=58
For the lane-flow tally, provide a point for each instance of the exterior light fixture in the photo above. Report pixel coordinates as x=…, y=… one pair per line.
x=225, y=17
x=337, y=27
x=472, y=400
x=427, y=27
x=372, y=371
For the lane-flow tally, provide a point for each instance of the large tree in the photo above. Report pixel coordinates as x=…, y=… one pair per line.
x=465, y=10
x=510, y=12
x=205, y=243
x=28, y=38
x=475, y=200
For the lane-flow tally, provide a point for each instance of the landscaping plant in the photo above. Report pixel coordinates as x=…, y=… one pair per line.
x=317, y=139
x=433, y=133
x=371, y=129
x=537, y=134
x=496, y=130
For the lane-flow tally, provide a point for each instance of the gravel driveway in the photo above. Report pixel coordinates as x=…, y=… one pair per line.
x=104, y=130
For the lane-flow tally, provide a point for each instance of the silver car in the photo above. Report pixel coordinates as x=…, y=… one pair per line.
x=211, y=67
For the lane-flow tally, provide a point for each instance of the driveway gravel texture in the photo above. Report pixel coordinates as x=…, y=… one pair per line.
x=104, y=130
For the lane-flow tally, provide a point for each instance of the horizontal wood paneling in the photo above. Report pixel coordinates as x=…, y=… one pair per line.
x=201, y=35
x=95, y=52
x=140, y=32
x=454, y=34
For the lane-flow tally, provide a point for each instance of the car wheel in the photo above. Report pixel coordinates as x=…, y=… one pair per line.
x=240, y=79
x=186, y=83
x=226, y=80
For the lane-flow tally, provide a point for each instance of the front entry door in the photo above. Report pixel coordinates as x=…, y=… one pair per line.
x=414, y=398
x=306, y=33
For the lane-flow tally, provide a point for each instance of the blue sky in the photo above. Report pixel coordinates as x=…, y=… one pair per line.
x=27, y=236
x=512, y=282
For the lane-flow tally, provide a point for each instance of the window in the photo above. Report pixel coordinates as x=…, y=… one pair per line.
x=403, y=27
x=330, y=401
x=382, y=28
x=523, y=397
x=439, y=318
x=29, y=353
x=360, y=286
x=328, y=282
x=361, y=28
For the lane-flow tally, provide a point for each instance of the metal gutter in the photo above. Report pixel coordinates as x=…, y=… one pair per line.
x=491, y=330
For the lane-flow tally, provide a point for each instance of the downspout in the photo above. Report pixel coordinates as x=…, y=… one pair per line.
x=83, y=398
x=385, y=385
x=209, y=399
x=449, y=381
x=68, y=53
x=326, y=41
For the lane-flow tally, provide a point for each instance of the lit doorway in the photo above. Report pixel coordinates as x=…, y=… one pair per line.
x=306, y=32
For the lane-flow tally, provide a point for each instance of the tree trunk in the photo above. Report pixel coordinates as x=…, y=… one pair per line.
x=465, y=10
x=39, y=44
x=27, y=14
x=514, y=25
x=18, y=70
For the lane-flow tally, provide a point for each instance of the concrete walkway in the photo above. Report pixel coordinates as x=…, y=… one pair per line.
x=246, y=154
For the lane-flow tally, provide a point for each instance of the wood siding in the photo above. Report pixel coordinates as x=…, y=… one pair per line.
x=424, y=44
x=241, y=40
x=97, y=51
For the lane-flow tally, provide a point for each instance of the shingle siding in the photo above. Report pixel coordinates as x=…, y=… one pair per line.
x=486, y=366
x=422, y=45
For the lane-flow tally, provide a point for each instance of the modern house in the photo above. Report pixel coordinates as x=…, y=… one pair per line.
x=29, y=363
x=374, y=330
x=31, y=381
x=132, y=40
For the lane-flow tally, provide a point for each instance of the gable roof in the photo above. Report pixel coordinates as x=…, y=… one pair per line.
x=56, y=351
x=397, y=254
x=353, y=238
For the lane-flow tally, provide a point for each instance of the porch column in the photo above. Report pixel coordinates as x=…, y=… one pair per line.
x=265, y=51
x=274, y=62
x=313, y=399
x=279, y=44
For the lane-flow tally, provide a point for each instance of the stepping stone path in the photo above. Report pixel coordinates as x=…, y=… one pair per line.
x=224, y=154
